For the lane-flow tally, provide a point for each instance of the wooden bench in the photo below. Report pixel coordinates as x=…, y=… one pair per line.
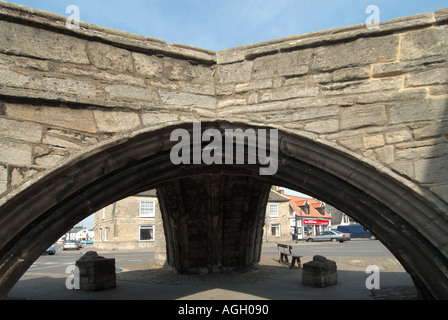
x=284, y=251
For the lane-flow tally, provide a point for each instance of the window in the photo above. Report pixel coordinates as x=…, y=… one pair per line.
x=147, y=208
x=305, y=208
x=106, y=233
x=275, y=230
x=146, y=233
x=273, y=210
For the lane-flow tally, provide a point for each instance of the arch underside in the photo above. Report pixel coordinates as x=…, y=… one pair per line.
x=42, y=212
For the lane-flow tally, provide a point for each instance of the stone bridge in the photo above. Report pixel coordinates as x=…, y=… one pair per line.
x=360, y=117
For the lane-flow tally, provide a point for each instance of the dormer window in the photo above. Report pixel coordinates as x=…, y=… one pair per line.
x=321, y=209
x=305, y=208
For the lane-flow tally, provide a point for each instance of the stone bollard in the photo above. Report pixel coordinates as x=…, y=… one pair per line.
x=96, y=272
x=320, y=272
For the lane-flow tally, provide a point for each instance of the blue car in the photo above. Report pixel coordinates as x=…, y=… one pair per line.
x=51, y=250
x=357, y=231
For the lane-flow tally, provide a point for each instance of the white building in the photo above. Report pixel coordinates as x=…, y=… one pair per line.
x=79, y=233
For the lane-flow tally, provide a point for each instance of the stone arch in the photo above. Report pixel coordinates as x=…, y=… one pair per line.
x=388, y=205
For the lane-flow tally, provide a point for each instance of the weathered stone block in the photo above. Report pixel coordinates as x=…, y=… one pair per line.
x=77, y=119
x=435, y=129
x=96, y=272
x=20, y=130
x=40, y=43
x=127, y=92
x=323, y=126
x=282, y=64
x=403, y=67
x=425, y=43
x=356, y=53
x=398, y=136
x=361, y=116
x=115, y=121
x=148, y=66
x=13, y=79
x=13, y=152
x=187, y=99
x=253, y=85
x=20, y=175
x=290, y=93
x=359, y=87
x=429, y=77
x=234, y=73
x=385, y=154
x=3, y=179
x=432, y=170
x=104, y=56
x=373, y=141
x=320, y=272
x=351, y=74
x=418, y=110
x=75, y=87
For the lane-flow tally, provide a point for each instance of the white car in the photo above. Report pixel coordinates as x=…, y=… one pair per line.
x=332, y=235
x=71, y=244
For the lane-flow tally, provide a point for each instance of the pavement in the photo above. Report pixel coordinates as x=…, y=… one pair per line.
x=270, y=281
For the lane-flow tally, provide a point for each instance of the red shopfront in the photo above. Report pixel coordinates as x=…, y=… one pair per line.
x=312, y=227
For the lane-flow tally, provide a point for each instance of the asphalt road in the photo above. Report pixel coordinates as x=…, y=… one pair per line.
x=352, y=248
x=46, y=278
x=52, y=265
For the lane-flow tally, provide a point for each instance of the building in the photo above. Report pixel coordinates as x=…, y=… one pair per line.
x=310, y=216
x=339, y=218
x=294, y=217
x=131, y=223
x=278, y=215
x=78, y=233
x=135, y=222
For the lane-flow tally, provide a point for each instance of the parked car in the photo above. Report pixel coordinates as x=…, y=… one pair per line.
x=357, y=231
x=51, y=250
x=330, y=236
x=71, y=244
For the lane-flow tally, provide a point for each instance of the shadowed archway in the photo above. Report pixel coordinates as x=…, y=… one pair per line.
x=374, y=196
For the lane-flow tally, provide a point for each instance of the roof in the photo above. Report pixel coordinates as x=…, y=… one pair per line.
x=275, y=196
x=148, y=193
x=296, y=202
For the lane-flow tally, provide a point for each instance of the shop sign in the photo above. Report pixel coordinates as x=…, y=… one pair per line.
x=316, y=222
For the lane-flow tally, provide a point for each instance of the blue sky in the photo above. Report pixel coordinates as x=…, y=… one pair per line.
x=222, y=24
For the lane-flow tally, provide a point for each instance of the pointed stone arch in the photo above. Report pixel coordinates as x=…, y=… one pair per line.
x=374, y=196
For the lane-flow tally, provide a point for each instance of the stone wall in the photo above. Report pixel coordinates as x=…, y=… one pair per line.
x=122, y=220
x=62, y=92
x=378, y=93
x=381, y=94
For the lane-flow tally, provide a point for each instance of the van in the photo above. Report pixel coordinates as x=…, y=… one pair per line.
x=357, y=231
